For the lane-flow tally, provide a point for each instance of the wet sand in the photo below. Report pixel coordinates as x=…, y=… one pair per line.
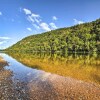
x=45, y=86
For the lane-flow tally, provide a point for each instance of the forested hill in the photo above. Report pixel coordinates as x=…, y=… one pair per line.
x=79, y=38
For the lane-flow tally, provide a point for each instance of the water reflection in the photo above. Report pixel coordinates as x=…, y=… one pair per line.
x=79, y=66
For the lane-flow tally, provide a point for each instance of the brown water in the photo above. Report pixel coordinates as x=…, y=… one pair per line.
x=35, y=76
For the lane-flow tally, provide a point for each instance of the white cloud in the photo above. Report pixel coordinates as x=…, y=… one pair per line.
x=27, y=11
x=0, y=13
x=35, y=15
x=30, y=19
x=53, y=25
x=36, y=21
x=4, y=38
x=45, y=26
x=54, y=18
x=78, y=21
x=29, y=29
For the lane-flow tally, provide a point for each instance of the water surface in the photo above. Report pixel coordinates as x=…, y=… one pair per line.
x=82, y=67
x=29, y=76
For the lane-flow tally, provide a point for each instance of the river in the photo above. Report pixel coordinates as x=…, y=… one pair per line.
x=30, y=76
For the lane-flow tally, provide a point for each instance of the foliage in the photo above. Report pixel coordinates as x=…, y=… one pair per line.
x=79, y=38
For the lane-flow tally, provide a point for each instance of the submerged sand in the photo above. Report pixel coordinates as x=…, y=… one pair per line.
x=54, y=87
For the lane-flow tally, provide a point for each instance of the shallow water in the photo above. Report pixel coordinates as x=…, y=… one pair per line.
x=81, y=67
x=49, y=77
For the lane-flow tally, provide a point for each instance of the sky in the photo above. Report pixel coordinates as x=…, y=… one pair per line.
x=21, y=18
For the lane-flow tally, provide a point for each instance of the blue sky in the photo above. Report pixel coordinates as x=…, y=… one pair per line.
x=21, y=18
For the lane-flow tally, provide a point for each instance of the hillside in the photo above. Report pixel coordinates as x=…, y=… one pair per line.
x=79, y=38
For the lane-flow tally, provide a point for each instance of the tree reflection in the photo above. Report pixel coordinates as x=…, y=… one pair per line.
x=79, y=66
